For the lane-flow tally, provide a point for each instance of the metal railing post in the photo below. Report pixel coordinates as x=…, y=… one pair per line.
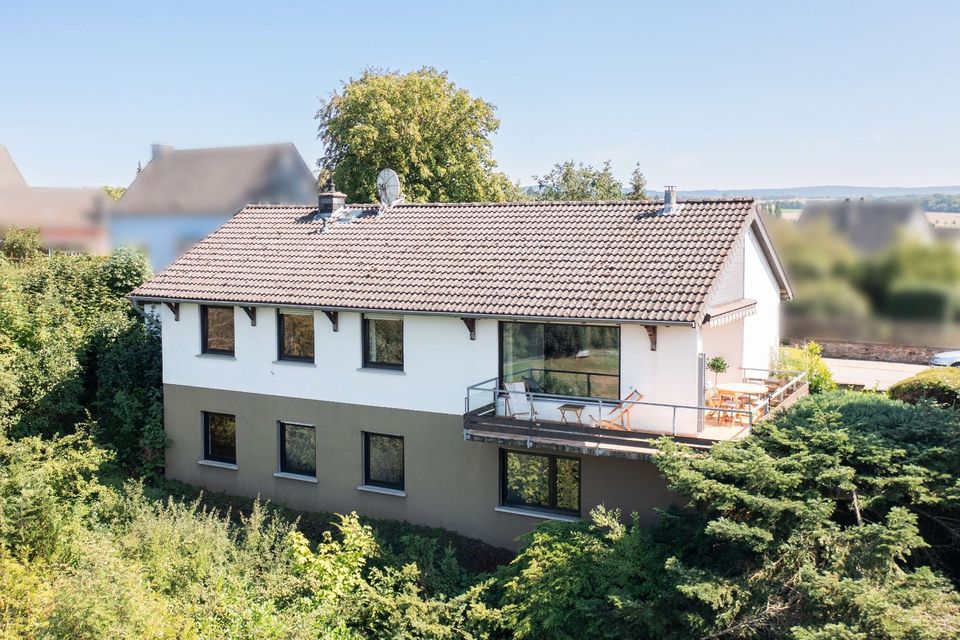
x=674, y=421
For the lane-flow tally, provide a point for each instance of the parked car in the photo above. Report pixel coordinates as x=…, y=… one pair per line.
x=946, y=359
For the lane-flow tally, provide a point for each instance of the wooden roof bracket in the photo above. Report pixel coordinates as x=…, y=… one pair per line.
x=252, y=314
x=334, y=318
x=471, y=327
x=175, y=309
x=652, y=334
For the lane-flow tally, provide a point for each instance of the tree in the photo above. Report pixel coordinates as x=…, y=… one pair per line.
x=577, y=181
x=22, y=244
x=638, y=185
x=834, y=520
x=435, y=135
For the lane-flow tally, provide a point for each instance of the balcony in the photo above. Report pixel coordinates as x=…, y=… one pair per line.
x=626, y=428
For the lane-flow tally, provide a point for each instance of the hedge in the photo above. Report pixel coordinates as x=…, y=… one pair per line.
x=940, y=384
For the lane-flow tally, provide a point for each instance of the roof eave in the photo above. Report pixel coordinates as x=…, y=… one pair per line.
x=449, y=314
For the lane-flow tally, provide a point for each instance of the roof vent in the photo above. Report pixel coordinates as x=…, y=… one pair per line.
x=669, y=199
x=330, y=200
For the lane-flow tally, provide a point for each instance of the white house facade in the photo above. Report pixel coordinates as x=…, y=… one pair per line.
x=431, y=363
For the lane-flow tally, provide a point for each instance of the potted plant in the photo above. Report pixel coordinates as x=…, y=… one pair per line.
x=717, y=364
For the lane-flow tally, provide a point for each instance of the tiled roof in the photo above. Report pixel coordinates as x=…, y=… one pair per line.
x=218, y=181
x=574, y=260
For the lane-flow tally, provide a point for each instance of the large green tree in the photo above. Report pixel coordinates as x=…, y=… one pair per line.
x=577, y=181
x=837, y=519
x=435, y=135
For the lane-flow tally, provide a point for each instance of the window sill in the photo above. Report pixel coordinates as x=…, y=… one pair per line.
x=296, y=363
x=219, y=465
x=217, y=356
x=294, y=476
x=395, y=372
x=400, y=493
x=534, y=513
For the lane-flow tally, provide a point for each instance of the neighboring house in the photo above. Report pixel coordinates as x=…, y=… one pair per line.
x=184, y=194
x=69, y=219
x=346, y=358
x=869, y=225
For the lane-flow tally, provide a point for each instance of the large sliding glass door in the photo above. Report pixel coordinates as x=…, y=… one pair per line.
x=562, y=359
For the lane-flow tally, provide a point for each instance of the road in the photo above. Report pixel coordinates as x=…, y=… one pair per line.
x=870, y=374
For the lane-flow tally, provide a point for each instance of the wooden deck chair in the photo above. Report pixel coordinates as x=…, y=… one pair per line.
x=729, y=401
x=517, y=402
x=619, y=416
x=715, y=403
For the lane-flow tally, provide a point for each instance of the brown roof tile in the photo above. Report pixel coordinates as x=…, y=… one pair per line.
x=589, y=260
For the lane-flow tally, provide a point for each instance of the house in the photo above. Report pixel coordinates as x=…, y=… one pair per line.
x=477, y=367
x=69, y=219
x=870, y=225
x=184, y=194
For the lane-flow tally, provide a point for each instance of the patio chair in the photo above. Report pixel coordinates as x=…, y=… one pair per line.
x=517, y=402
x=728, y=402
x=715, y=403
x=619, y=416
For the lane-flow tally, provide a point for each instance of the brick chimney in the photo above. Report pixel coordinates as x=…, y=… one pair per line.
x=330, y=200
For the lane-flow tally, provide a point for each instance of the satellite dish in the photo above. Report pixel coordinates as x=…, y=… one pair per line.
x=388, y=187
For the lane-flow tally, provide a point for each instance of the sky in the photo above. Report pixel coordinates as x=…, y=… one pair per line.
x=701, y=94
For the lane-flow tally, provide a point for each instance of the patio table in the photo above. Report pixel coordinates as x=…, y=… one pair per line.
x=743, y=388
x=574, y=408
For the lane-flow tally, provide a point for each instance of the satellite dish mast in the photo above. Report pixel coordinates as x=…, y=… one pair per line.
x=388, y=188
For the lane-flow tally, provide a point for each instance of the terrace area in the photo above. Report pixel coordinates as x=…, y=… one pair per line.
x=534, y=408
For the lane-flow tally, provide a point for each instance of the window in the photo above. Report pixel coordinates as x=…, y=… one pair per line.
x=298, y=449
x=295, y=336
x=219, y=437
x=216, y=329
x=540, y=481
x=383, y=460
x=383, y=342
x=562, y=359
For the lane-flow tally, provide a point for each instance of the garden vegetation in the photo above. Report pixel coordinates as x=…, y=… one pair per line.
x=840, y=518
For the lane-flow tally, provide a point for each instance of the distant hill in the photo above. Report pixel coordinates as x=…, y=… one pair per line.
x=826, y=191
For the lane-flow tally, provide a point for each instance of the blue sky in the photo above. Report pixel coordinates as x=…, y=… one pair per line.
x=702, y=94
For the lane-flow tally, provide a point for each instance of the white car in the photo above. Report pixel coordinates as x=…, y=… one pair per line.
x=946, y=359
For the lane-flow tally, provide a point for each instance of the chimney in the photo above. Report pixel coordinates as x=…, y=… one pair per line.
x=669, y=199
x=160, y=150
x=330, y=200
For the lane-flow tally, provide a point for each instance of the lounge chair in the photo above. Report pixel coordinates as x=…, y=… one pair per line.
x=619, y=416
x=517, y=402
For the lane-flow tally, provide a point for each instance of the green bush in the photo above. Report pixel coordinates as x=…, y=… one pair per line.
x=829, y=298
x=21, y=244
x=809, y=360
x=939, y=384
x=911, y=300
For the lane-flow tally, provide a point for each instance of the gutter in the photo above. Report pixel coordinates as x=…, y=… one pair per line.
x=448, y=314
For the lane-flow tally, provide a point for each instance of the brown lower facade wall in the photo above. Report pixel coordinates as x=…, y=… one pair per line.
x=449, y=483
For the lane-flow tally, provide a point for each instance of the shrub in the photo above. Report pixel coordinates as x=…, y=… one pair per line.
x=21, y=244
x=808, y=359
x=911, y=300
x=829, y=298
x=939, y=384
